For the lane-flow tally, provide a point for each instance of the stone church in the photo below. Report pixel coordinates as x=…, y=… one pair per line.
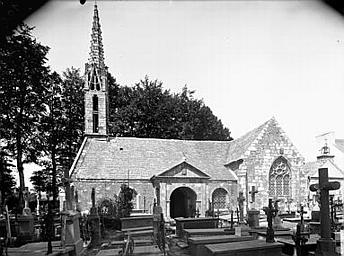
x=183, y=176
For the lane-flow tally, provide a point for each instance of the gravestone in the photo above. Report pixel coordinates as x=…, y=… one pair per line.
x=157, y=211
x=325, y=245
x=94, y=221
x=301, y=237
x=26, y=221
x=241, y=200
x=270, y=214
x=253, y=214
x=277, y=222
x=70, y=223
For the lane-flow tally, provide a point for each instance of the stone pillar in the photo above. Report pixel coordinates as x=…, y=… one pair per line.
x=72, y=231
x=25, y=221
x=253, y=218
x=94, y=222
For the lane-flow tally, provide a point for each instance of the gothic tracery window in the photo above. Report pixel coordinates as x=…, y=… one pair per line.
x=279, y=178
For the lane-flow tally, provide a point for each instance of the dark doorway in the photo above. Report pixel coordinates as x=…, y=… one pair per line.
x=183, y=203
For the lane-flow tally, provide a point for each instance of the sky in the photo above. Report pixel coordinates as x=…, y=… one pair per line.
x=247, y=60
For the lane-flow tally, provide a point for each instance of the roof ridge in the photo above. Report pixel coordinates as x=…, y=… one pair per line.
x=162, y=139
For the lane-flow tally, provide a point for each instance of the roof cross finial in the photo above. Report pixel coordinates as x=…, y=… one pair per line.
x=325, y=150
x=184, y=157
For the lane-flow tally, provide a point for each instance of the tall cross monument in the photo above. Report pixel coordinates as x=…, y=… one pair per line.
x=325, y=245
x=96, y=84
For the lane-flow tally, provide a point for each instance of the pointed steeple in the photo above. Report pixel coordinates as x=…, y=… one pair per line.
x=96, y=49
x=96, y=84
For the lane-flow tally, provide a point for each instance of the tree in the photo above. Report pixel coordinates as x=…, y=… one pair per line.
x=7, y=181
x=73, y=114
x=22, y=74
x=50, y=131
x=124, y=202
x=60, y=130
x=147, y=110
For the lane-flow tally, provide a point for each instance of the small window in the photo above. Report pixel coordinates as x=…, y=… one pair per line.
x=95, y=103
x=95, y=123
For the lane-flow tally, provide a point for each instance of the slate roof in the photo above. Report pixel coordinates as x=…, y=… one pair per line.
x=238, y=147
x=333, y=170
x=339, y=143
x=113, y=157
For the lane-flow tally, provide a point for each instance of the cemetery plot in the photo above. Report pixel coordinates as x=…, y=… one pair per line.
x=193, y=223
x=245, y=248
x=197, y=243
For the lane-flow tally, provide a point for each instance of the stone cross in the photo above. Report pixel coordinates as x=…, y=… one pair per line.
x=325, y=245
x=72, y=189
x=241, y=200
x=253, y=193
x=270, y=212
x=302, y=224
x=26, y=209
x=93, y=198
x=237, y=213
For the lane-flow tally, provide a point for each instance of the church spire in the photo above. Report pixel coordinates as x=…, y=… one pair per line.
x=96, y=49
x=96, y=84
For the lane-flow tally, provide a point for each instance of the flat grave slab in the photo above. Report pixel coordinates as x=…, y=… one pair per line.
x=188, y=223
x=297, y=219
x=289, y=244
x=245, y=248
x=187, y=233
x=197, y=243
x=283, y=233
x=39, y=249
x=138, y=251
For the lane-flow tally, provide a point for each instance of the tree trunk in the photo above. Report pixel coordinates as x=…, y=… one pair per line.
x=55, y=190
x=20, y=167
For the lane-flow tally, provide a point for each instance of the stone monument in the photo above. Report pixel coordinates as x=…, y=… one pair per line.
x=253, y=214
x=70, y=222
x=270, y=213
x=25, y=221
x=277, y=222
x=94, y=221
x=241, y=200
x=325, y=245
x=157, y=211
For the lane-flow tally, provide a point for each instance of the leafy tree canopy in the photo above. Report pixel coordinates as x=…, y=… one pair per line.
x=147, y=110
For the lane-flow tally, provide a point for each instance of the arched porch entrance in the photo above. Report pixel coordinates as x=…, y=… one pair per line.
x=183, y=202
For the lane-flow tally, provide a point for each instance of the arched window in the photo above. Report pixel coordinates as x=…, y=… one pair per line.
x=279, y=178
x=219, y=198
x=94, y=79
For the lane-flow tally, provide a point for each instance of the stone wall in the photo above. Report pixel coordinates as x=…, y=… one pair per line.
x=268, y=146
x=203, y=191
x=107, y=189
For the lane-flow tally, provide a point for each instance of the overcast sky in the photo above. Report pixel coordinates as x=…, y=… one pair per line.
x=248, y=61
